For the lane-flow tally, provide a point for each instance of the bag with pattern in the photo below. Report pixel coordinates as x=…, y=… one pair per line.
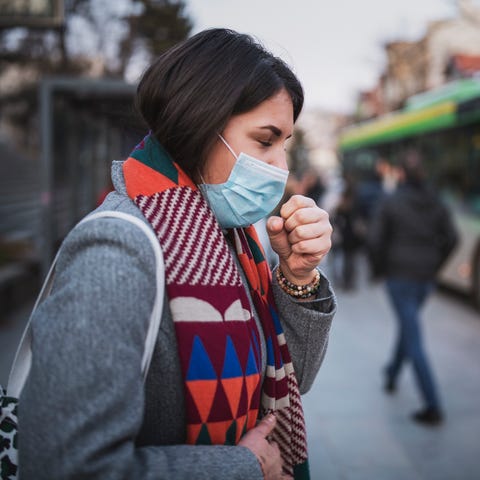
x=8, y=435
x=22, y=362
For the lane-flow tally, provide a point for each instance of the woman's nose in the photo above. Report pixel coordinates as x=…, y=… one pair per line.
x=280, y=159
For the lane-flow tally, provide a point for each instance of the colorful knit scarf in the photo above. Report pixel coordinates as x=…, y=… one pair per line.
x=218, y=340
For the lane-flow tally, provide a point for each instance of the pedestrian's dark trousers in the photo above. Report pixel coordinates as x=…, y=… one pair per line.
x=407, y=297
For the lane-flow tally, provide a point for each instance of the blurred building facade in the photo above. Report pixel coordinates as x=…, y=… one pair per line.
x=450, y=49
x=321, y=129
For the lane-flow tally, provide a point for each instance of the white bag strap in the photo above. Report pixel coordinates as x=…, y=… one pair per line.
x=23, y=358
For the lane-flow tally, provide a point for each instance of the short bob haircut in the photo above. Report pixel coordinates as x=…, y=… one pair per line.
x=190, y=92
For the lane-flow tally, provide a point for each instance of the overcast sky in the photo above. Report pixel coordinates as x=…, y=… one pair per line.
x=334, y=46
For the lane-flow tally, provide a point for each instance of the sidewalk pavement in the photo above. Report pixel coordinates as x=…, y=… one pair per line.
x=357, y=432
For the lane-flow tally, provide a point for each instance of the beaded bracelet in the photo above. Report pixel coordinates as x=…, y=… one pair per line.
x=299, y=291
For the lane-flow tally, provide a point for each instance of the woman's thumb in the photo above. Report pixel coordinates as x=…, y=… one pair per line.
x=274, y=225
x=266, y=426
x=278, y=236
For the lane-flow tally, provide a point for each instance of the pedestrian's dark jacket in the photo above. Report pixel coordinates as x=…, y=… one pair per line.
x=411, y=234
x=349, y=225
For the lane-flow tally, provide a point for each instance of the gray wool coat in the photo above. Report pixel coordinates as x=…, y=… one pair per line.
x=85, y=412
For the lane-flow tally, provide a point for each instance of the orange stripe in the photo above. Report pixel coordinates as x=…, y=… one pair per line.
x=144, y=180
x=250, y=270
x=263, y=273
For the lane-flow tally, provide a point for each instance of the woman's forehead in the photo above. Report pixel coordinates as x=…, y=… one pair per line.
x=274, y=114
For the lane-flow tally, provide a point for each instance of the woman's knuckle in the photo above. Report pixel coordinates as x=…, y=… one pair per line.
x=300, y=247
x=289, y=225
x=301, y=232
x=297, y=200
x=293, y=238
x=301, y=216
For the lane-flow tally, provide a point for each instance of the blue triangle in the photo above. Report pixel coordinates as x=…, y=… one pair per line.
x=231, y=365
x=200, y=367
x=276, y=321
x=270, y=354
x=251, y=363
x=255, y=344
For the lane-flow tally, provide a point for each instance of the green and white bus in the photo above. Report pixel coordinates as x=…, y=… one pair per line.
x=444, y=125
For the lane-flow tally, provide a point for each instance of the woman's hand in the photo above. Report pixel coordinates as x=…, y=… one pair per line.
x=267, y=452
x=301, y=236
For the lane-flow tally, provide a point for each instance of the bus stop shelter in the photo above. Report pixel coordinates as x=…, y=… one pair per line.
x=84, y=125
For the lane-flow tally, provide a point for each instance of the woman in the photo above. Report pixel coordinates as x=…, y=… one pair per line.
x=220, y=109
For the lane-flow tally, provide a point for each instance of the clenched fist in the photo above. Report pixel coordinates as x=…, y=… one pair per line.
x=301, y=236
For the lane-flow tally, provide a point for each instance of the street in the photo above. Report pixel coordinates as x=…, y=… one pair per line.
x=355, y=430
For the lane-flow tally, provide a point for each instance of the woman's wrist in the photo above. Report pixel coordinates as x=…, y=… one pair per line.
x=297, y=279
x=300, y=291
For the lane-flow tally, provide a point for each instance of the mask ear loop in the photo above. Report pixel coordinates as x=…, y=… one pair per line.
x=201, y=176
x=231, y=151
x=228, y=146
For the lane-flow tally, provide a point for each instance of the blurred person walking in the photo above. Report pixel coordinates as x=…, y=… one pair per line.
x=312, y=186
x=410, y=238
x=237, y=345
x=349, y=234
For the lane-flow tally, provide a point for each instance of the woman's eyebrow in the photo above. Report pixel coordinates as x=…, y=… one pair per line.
x=275, y=130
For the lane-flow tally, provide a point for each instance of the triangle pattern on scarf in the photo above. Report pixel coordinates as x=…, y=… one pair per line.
x=231, y=434
x=221, y=409
x=252, y=367
x=202, y=393
x=233, y=388
x=241, y=422
x=204, y=436
x=231, y=365
x=218, y=431
x=193, y=432
x=200, y=367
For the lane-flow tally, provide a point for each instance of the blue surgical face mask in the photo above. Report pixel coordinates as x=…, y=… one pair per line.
x=251, y=192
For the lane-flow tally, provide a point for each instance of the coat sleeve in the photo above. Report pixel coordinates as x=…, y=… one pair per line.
x=378, y=238
x=447, y=236
x=83, y=403
x=306, y=326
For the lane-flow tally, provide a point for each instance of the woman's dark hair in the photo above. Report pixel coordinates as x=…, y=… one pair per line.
x=190, y=92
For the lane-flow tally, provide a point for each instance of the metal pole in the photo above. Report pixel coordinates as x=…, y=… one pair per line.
x=46, y=169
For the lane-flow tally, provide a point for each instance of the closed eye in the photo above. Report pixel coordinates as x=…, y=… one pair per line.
x=265, y=144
